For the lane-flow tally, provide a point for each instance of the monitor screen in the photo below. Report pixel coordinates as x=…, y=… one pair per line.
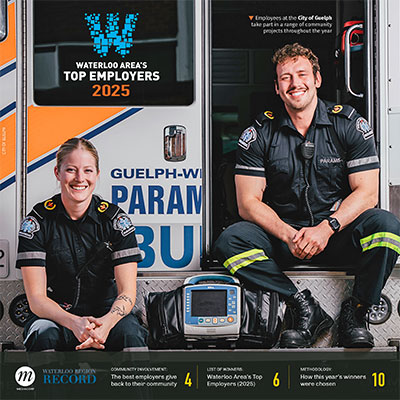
x=209, y=303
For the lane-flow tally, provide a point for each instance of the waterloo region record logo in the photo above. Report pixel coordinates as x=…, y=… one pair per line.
x=25, y=376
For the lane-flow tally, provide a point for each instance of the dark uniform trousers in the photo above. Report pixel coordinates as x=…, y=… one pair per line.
x=42, y=334
x=371, y=244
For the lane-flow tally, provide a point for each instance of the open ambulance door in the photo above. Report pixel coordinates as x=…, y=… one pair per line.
x=245, y=35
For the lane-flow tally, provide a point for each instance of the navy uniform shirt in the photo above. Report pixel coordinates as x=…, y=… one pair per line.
x=270, y=148
x=49, y=238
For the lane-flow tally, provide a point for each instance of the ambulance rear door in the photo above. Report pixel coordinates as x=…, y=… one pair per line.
x=128, y=76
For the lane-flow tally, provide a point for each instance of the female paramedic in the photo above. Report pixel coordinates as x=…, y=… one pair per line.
x=78, y=256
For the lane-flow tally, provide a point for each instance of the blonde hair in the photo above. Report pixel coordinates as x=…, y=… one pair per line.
x=295, y=50
x=75, y=143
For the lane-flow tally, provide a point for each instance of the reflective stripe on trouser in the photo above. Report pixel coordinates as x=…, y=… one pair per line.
x=371, y=243
x=245, y=250
x=381, y=239
x=377, y=233
x=243, y=259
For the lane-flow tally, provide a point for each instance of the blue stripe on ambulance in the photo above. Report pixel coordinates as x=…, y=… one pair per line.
x=89, y=135
x=8, y=69
x=8, y=109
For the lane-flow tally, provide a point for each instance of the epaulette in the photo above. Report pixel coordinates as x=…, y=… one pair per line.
x=45, y=208
x=345, y=111
x=107, y=209
x=264, y=116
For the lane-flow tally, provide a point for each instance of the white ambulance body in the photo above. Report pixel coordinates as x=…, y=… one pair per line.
x=165, y=111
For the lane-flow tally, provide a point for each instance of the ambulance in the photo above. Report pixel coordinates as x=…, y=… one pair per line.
x=163, y=88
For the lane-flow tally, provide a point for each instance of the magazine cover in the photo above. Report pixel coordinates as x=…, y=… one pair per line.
x=199, y=199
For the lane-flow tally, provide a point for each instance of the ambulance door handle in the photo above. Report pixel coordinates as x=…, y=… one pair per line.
x=347, y=60
x=4, y=258
x=174, y=143
x=3, y=19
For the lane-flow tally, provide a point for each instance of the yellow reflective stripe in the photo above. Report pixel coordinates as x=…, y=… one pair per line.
x=247, y=262
x=241, y=260
x=381, y=239
x=383, y=244
x=380, y=235
x=248, y=253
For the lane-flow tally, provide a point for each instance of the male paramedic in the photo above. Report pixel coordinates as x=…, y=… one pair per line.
x=307, y=183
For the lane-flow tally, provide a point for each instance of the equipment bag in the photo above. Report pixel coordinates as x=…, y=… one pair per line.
x=261, y=320
x=165, y=320
x=262, y=317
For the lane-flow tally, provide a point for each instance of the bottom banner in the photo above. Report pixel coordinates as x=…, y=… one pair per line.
x=231, y=374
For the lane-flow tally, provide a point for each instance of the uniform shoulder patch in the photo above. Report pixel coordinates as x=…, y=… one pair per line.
x=29, y=226
x=336, y=109
x=49, y=205
x=363, y=126
x=247, y=137
x=110, y=210
x=345, y=111
x=269, y=114
x=264, y=117
x=123, y=224
x=45, y=208
x=102, y=206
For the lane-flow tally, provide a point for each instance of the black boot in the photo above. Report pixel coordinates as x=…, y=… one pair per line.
x=309, y=321
x=353, y=330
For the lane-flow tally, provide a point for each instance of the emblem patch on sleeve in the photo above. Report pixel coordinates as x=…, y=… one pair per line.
x=269, y=114
x=29, y=226
x=123, y=224
x=103, y=206
x=49, y=205
x=336, y=109
x=362, y=126
x=248, y=136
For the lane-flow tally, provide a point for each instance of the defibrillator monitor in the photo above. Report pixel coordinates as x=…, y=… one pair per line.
x=211, y=307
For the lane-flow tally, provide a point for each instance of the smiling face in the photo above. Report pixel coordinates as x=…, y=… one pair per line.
x=77, y=176
x=296, y=84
